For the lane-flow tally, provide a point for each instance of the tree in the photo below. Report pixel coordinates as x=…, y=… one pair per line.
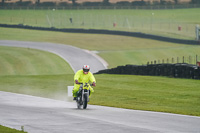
x=176, y=1
x=73, y=2
x=195, y=1
x=19, y=2
x=106, y=2
x=38, y=2
x=2, y=2
x=162, y=2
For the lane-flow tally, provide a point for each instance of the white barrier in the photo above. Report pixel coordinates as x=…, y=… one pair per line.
x=70, y=88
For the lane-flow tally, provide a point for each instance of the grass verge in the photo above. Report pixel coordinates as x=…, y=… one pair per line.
x=26, y=61
x=160, y=94
x=49, y=86
x=9, y=130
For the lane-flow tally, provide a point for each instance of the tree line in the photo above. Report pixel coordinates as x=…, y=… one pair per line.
x=102, y=3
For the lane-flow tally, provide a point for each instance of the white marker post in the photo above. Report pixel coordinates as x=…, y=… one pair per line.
x=70, y=88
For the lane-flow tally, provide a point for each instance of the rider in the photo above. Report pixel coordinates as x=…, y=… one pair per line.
x=83, y=76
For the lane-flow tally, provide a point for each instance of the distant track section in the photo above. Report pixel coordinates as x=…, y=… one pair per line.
x=95, y=31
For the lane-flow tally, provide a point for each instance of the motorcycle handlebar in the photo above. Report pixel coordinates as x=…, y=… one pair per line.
x=87, y=83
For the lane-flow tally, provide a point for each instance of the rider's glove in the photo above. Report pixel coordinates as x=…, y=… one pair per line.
x=76, y=81
x=94, y=84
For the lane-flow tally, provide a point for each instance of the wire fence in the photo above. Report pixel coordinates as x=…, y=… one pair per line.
x=61, y=17
x=194, y=60
x=60, y=7
x=64, y=19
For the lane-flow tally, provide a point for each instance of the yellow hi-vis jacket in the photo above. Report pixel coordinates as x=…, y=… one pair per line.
x=83, y=78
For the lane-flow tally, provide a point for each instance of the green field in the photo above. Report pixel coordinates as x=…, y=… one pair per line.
x=161, y=22
x=44, y=74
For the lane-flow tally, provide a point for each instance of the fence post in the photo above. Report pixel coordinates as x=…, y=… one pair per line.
x=177, y=59
x=196, y=59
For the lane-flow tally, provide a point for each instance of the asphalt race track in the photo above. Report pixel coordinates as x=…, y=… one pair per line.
x=42, y=115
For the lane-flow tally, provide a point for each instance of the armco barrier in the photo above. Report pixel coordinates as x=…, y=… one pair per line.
x=179, y=70
x=95, y=31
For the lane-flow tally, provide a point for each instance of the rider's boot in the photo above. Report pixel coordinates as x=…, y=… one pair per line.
x=74, y=98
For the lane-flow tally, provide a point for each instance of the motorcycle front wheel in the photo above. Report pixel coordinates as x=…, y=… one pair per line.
x=85, y=101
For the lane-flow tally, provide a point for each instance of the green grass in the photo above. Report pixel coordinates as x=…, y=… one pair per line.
x=162, y=22
x=9, y=130
x=144, y=55
x=25, y=61
x=161, y=94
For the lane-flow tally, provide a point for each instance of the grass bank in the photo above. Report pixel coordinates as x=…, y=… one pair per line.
x=25, y=61
x=34, y=72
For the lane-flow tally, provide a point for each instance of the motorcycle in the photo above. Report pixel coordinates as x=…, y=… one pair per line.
x=83, y=95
